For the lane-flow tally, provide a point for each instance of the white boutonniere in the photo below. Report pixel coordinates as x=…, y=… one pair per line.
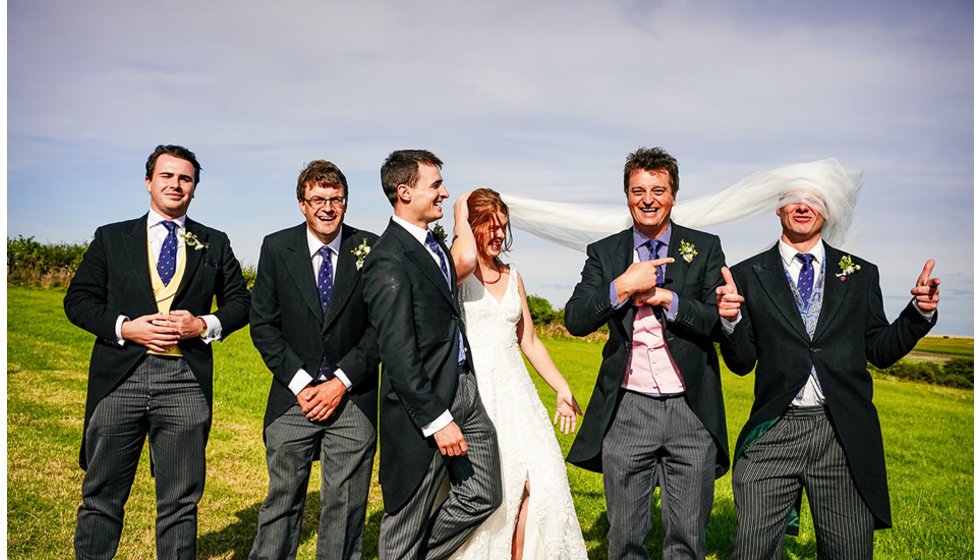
x=439, y=232
x=192, y=241
x=847, y=267
x=687, y=251
x=361, y=252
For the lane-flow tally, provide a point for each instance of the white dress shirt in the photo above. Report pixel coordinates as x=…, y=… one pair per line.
x=302, y=378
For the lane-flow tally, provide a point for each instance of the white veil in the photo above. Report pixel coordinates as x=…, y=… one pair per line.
x=576, y=225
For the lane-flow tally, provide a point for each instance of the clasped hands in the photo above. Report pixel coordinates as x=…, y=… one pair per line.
x=926, y=292
x=639, y=283
x=160, y=331
x=318, y=402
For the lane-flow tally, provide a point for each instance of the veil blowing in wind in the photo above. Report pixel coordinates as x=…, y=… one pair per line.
x=576, y=225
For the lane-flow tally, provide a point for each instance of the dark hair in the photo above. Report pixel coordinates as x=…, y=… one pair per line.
x=402, y=168
x=482, y=207
x=320, y=173
x=651, y=159
x=177, y=152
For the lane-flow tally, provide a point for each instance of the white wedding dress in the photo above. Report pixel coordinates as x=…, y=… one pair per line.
x=525, y=434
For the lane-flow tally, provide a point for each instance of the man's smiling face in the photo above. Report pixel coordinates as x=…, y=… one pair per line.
x=650, y=199
x=426, y=196
x=324, y=208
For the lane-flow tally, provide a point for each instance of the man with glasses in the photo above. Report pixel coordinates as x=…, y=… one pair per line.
x=310, y=324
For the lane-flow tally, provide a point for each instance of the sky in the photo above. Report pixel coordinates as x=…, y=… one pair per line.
x=539, y=98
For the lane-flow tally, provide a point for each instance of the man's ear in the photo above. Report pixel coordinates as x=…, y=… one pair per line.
x=404, y=193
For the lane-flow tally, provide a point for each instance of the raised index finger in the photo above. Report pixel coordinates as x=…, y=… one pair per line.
x=663, y=261
x=926, y=272
x=727, y=275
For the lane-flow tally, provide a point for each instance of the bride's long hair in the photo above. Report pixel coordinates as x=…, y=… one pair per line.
x=483, y=206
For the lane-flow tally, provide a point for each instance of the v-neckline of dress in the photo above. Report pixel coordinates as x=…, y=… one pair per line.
x=501, y=300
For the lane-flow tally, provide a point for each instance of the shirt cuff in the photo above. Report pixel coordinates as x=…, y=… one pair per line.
x=671, y=314
x=300, y=380
x=439, y=423
x=927, y=315
x=339, y=374
x=119, y=337
x=728, y=327
x=214, y=328
x=614, y=297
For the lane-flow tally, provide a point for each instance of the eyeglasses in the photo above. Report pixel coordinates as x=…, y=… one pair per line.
x=319, y=201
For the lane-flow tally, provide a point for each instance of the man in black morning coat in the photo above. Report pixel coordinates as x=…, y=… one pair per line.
x=310, y=324
x=656, y=416
x=145, y=289
x=432, y=419
x=809, y=318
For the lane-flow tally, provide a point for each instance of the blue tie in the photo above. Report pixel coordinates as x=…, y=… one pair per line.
x=324, y=281
x=430, y=242
x=655, y=245
x=805, y=282
x=167, y=263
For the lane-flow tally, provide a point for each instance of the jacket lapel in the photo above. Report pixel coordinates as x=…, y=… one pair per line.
x=192, y=256
x=137, y=251
x=835, y=291
x=675, y=274
x=299, y=266
x=772, y=277
x=422, y=258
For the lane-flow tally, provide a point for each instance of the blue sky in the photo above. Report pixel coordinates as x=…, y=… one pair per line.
x=541, y=98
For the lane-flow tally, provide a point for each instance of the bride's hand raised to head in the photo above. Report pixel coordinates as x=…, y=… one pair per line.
x=464, y=249
x=461, y=212
x=566, y=411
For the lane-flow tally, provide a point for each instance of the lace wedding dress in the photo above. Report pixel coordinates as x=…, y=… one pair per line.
x=525, y=434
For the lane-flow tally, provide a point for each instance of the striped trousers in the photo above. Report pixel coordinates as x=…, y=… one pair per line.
x=163, y=400
x=798, y=452
x=421, y=530
x=657, y=441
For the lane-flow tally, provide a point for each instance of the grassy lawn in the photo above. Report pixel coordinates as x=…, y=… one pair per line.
x=928, y=433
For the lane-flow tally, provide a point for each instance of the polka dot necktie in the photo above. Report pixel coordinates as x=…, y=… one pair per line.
x=430, y=241
x=654, y=249
x=805, y=281
x=167, y=262
x=324, y=281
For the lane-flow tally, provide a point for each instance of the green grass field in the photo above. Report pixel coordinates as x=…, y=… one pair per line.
x=928, y=433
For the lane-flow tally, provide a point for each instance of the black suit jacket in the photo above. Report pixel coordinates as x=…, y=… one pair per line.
x=851, y=331
x=689, y=338
x=291, y=331
x=113, y=279
x=417, y=315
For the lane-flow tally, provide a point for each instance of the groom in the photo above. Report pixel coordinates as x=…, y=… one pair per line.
x=656, y=416
x=432, y=420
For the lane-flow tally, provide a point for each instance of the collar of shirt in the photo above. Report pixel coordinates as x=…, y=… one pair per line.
x=315, y=244
x=788, y=254
x=417, y=232
x=640, y=239
x=153, y=219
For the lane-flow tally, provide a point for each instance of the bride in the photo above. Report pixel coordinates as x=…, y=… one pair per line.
x=537, y=518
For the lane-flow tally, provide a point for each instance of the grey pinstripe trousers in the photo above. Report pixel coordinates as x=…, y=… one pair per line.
x=346, y=443
x=799, y=451
x=416, y=531
x=161, y=399
x=657, y=441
